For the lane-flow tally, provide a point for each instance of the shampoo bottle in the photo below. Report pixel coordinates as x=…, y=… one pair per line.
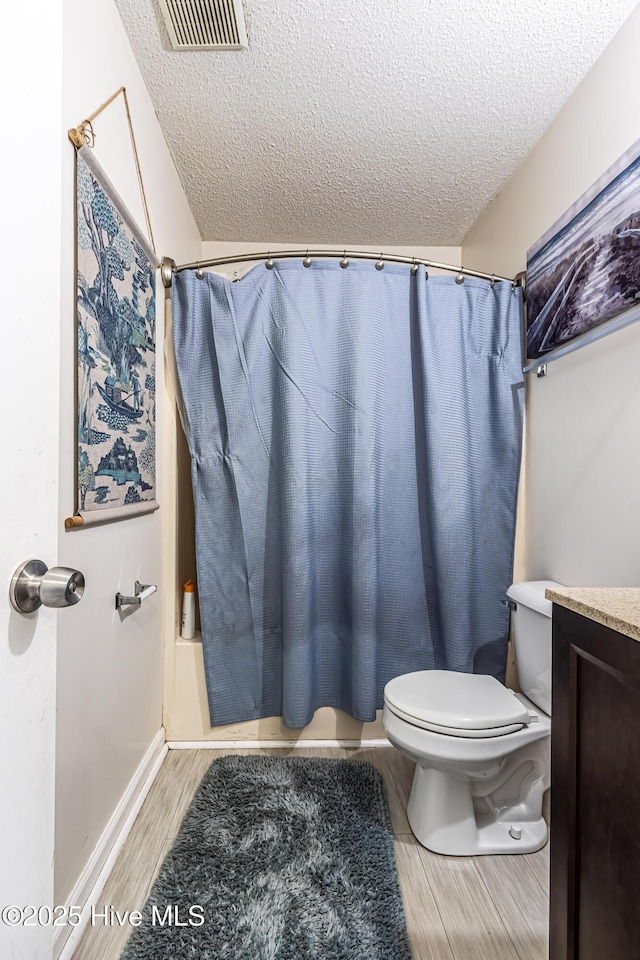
x=188, y=611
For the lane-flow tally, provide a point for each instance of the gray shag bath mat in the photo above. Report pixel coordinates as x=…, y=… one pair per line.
x=287, y=859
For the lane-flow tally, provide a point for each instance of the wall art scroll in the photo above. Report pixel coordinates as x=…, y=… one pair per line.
x=116, y=353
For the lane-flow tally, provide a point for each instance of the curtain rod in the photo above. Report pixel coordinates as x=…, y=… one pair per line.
x=169, y=266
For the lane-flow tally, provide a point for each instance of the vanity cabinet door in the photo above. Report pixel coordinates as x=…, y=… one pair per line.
x=595, y=792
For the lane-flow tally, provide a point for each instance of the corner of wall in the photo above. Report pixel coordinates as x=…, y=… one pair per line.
x=580, y=523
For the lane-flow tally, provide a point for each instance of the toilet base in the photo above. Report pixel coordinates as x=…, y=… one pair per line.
x=445, y=818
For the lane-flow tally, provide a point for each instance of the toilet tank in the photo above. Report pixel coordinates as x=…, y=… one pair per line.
x=531, y=621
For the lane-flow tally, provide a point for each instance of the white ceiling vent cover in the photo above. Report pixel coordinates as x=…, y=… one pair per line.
x=205, y=24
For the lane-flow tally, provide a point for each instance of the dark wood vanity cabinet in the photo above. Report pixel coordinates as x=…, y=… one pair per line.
x=595, y=792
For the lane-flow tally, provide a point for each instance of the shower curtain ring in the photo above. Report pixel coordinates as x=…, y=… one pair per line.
x=199, y=271
x=307, y=260
x=414, y=267
x=269, y=264
x=344, y=263
x=460, y=277
x=380, y=263
x=493, y=279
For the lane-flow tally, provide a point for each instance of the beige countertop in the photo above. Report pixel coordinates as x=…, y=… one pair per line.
x=616, y=607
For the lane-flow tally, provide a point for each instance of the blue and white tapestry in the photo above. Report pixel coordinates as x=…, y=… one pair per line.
x=116, y=317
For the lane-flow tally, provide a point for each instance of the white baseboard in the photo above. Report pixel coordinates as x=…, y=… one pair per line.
x=288, y=744
x=91, y=881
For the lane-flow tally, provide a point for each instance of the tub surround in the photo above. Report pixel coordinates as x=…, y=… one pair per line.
x=615, y=607
x=186, y=716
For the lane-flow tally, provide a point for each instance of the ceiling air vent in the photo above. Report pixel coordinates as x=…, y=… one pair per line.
x=205, y=24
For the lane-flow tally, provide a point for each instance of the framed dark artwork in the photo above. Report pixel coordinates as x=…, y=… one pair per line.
x=116, y=353
x=585, y=270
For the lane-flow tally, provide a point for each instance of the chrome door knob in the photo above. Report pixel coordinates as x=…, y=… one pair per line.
x=34, y=585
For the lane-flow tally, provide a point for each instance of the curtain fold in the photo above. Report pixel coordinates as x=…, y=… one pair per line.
x=355, y=439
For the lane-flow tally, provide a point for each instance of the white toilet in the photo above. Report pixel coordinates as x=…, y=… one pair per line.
x=482, y=752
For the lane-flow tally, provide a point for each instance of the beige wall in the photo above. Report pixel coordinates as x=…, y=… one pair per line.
x=186, y=715
x=109, y=669
x=582, y=511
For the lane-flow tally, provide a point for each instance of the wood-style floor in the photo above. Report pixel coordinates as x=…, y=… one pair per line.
x=482, y=908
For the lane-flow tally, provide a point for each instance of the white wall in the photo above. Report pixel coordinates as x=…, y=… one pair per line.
x=30, y=77
x=583, y=442
x=109, y=671
x=186, y=712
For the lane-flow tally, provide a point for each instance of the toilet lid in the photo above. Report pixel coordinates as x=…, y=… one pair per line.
x=460, y=701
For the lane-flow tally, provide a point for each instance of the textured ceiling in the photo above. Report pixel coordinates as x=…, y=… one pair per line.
x=391, y=121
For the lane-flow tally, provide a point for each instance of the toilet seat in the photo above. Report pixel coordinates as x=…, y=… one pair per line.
x=456, y=731
x=456, y=704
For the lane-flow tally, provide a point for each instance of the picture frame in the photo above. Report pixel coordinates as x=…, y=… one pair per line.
x=583, y=274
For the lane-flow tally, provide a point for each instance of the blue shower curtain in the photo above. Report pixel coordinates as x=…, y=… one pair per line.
x=355, y=439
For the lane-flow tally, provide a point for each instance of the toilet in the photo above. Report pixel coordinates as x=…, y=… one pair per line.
x=482, y=752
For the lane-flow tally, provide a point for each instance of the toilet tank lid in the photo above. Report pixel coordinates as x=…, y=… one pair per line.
x=530, y=594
